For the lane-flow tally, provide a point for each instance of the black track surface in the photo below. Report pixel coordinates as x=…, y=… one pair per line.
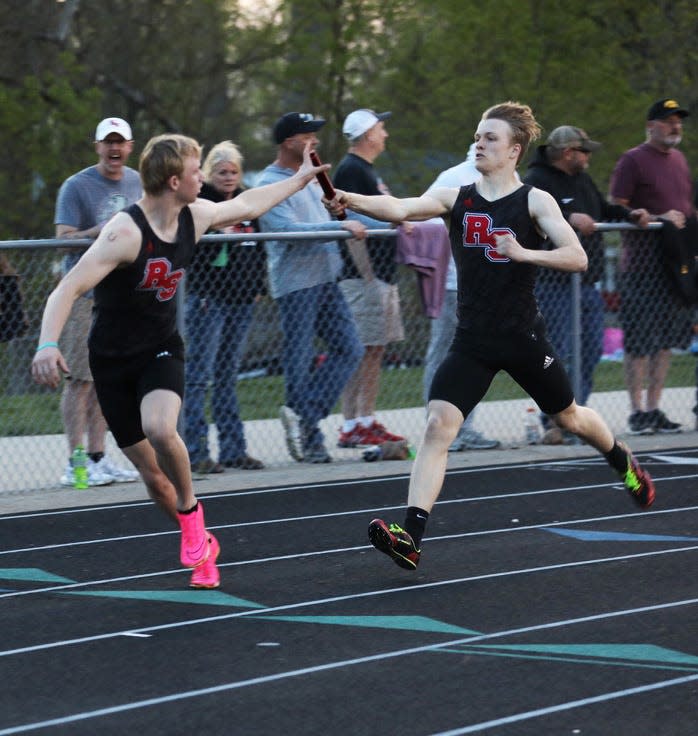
x=545, y=602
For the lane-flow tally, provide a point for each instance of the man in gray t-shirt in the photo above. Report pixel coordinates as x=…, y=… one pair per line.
x=86, y=201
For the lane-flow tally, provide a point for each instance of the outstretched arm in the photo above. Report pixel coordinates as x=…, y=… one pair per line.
x=391, y=209
x=253, y=202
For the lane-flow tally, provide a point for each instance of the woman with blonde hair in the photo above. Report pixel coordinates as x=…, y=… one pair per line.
x=223, y=284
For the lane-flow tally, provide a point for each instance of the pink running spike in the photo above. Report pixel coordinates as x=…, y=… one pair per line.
x=195, y=548
x=207, y=576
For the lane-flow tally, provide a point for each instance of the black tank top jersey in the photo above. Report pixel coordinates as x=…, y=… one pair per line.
x=495, y=294
x=135, y=307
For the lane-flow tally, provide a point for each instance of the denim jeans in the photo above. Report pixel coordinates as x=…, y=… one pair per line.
x=313, y=387
x=215, y=335
x=555, y=302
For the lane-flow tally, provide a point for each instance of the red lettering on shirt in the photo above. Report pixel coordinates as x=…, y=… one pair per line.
x=479, y=233
x=158, y=277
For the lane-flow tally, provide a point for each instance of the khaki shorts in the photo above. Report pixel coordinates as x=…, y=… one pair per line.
x=375, y=306
x=73, y=341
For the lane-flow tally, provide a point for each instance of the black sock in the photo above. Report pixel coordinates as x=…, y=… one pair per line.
x=191, y=510
x=95, y=456
x=415, y=523
x=617, y=458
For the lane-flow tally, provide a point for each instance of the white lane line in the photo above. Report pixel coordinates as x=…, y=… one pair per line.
x=351, y=597
x=603, y=698
x=279, y=676
x=367, y=512
x=317, y=553
x=334, y=484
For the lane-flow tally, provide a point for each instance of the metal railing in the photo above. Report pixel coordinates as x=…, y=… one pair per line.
x=33, y=447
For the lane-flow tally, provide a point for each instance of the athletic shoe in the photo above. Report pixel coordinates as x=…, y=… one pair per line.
x=316, y=454
x=194, y=549
x=638, y=482
x=639, y=423
x=120, y=475
x=360, y=436
x=206, y=576
x=469, y=439
x=377, y=429
x=244, y=462
x=659, y=422
x=95, y=477
x=292, y=428
x=395, y=542
x=353, y=438
x=206, y=466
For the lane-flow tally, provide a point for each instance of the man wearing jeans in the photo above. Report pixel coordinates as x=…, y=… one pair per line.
x=303, y=281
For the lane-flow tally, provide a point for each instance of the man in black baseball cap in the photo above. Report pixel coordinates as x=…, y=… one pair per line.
x=293, y=123
x=665, y=108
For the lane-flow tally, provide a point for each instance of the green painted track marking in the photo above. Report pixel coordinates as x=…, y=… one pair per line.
x=408, y=623
x=31, y=573
x=205, y=597
x=634, y=652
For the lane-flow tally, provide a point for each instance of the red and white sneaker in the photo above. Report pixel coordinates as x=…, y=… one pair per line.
x=207, y=576
x=378, y=430
x=361, y=436
x=194, y=549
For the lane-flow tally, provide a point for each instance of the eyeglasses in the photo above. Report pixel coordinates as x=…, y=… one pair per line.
x=579, y=150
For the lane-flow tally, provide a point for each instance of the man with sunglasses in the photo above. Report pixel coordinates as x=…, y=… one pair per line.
x=559, y=167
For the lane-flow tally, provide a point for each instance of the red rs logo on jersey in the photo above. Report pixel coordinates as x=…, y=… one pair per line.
x=159, y=278
x=478, y=233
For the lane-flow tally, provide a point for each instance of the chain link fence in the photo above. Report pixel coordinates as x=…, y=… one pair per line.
x=589, y=322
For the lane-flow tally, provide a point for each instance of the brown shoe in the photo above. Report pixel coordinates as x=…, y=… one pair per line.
x=206, y=466
x=244, y=462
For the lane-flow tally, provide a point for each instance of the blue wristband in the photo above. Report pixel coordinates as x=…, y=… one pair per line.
x=47, y=345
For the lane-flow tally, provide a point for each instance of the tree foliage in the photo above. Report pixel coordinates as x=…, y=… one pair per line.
x=226, y=69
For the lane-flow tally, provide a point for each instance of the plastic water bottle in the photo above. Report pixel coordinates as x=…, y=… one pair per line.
x=531, y=426
x=78, y=461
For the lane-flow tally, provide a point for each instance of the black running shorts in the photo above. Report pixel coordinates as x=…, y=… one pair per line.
x=474, y=359
x=121, y=385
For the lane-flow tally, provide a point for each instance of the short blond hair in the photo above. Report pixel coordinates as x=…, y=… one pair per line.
x=523, y=124
x=225, y=152
x=162, y=158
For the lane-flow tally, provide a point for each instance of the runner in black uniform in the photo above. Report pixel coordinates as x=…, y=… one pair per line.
x=136, y=354
x=497, y=229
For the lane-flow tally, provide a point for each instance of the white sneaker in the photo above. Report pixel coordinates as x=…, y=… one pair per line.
x=119, y=474
x=292, y=429
x=95, y=477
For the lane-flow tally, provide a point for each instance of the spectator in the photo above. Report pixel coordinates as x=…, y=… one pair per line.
x=136, y=353
x=86, y=201
x=653, y=176
x=560, y=168
x=223, y=283
x=443, y=328
x=303, y=281
x=13, y=320
x=368, y=283
x=498, y=225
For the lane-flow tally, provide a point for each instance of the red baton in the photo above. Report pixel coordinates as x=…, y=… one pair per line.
x=325, y=183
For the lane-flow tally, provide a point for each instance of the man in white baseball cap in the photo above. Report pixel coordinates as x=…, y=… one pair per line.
x=113, y=125
x=86, y=201
x=359, y=121
x=368, y=282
